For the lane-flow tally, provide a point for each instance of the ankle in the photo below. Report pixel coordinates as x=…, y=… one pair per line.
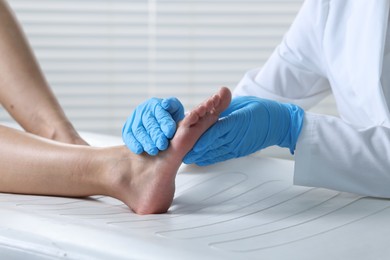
x=114, y=171
x=95, y=173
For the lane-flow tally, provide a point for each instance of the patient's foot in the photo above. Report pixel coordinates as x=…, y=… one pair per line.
x=147, y=183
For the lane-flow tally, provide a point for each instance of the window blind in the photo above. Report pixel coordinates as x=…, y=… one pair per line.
x=104, y=57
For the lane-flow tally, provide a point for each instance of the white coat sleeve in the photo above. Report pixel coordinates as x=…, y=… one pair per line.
x=294, y=72
x=333, y=154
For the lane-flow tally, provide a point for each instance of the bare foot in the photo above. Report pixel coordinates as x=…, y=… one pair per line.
x=147, y=184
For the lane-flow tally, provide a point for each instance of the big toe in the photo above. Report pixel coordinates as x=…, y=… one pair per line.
x=225, y=96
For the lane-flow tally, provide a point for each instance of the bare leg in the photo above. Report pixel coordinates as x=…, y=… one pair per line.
x=24, y=91
x=147, y=184
x=33, y=165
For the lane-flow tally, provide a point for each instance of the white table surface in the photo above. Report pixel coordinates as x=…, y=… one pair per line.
x=246, y=208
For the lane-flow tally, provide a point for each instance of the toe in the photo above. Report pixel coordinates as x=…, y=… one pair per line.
x=225, y=97
x=216, y=100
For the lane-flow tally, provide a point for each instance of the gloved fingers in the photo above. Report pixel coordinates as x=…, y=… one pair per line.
x=208, y=155
x=132, y=143
x=174, y=107
x=216, y=160
x=237, y=103
x=221, y=133
x=192, y=157
x=213, y=149
x=143, y=137
x=165, y=122
x=154, y=131
x=231, y=108
x=221, y=140
x=128, y=137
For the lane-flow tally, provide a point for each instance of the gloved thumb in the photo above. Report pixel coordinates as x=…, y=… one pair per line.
x=174, y=107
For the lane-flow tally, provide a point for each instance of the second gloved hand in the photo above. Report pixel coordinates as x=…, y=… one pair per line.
x=249, y=124
x=152, y=124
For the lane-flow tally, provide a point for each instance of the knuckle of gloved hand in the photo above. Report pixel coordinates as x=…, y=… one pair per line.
x=158, y=110
x=148, y=124
x=162, y=143
x=168, y=123
x=154, y=101
x=171, y=102
x=155, y=133
x=139, y=131
x=148, y=120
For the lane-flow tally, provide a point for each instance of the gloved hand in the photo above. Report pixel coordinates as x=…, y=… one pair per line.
x=246, y=126
x=152, y=124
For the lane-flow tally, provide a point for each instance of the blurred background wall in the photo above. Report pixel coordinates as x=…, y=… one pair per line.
x=103, y=57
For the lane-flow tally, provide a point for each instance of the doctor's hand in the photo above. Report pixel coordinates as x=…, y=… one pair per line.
x=152, y=124
x=249, y=124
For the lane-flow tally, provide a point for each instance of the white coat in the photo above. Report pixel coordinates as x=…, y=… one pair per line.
x=338, y=46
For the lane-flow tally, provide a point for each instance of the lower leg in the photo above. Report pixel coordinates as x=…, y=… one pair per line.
x=33, y=165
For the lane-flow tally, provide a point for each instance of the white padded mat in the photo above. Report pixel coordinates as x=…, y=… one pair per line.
x=240, y=209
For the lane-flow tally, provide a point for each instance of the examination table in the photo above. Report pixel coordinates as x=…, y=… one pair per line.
x=245, y=208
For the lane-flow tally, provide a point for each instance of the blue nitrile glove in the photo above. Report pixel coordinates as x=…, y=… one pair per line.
x=246, y=126
x=152, y=124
